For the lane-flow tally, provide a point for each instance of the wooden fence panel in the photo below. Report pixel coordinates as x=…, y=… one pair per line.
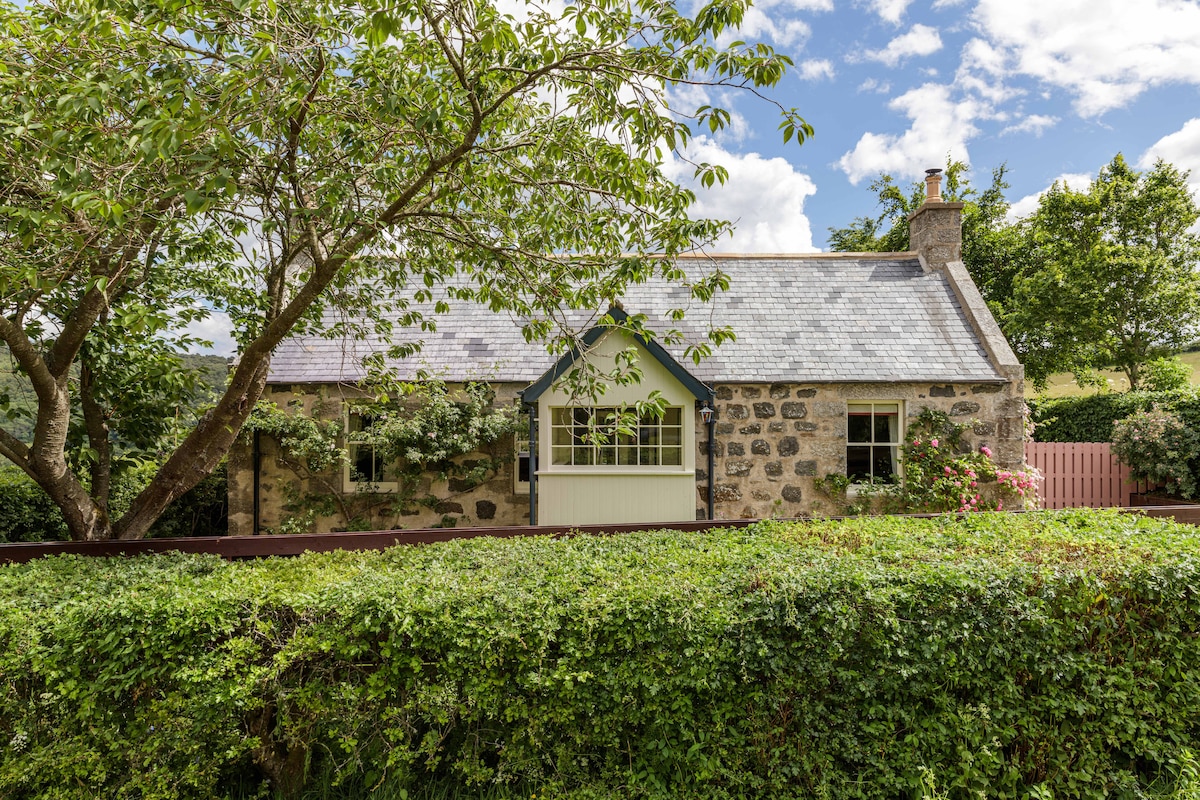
x=1080, y=474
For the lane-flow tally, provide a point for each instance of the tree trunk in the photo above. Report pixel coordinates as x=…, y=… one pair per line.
x=286, y=767
x=48, y=464
x=199, y=453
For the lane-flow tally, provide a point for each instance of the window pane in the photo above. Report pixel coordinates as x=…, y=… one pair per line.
x=582, y=436
x=579, y=434
x=523, y=468
x=367, y=466
x=858, y=464
x=883, y=462
x=858, y=427
x=887, y=427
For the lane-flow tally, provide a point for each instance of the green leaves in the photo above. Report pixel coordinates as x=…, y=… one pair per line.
x=273, y=162
x=864, y=659
x=1113, y=281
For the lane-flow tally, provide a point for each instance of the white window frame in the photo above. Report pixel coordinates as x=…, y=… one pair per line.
x=897, y=464
x=350, y=479
x=659, y=426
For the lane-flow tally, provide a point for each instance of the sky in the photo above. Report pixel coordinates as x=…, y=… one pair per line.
x=1051, y=88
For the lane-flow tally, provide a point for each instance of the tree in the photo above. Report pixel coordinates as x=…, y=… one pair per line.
x=277, y=161
x=993, y=249
x=1114, y=281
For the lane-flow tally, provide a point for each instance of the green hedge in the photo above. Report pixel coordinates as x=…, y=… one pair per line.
x=1013, y=656
x=26, y=512
x=1090, y=418
x=28, y=515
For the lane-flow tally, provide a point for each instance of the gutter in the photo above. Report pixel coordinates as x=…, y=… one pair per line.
x=712, y=424
x=533, y=454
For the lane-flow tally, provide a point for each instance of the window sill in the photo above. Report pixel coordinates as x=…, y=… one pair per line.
x=353, y=487
x=854, y=489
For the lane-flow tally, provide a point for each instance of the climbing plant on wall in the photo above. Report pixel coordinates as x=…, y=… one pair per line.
x=423, y=433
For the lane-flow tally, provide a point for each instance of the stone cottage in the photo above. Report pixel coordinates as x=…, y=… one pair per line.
x=835, y=353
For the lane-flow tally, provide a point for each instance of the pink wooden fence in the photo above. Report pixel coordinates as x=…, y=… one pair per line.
x=1080, y=474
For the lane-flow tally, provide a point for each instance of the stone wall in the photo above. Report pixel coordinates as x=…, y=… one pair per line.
x=494, y=502
x=773, y=441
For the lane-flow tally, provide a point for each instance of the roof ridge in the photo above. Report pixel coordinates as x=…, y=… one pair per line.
x=908, y=254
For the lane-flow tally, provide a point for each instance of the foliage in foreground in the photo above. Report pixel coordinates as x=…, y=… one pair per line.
x=1048, y=654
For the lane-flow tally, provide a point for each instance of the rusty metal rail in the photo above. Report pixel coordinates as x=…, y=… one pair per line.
x=241, y=547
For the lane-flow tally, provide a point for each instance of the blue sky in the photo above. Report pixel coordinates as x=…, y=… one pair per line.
x=1052, y=88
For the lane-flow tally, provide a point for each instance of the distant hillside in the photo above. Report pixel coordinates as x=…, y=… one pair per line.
x=212, y=369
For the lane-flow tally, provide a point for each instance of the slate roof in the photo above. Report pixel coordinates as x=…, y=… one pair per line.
x=803, y=318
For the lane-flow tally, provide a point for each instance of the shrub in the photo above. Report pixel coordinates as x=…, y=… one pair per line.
x=1007, y=656
x=1166, y=375
x=28, y=515
x=1158, y=447
x=1090, y=418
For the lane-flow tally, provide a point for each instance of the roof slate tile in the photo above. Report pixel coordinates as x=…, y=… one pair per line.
x=808, y=318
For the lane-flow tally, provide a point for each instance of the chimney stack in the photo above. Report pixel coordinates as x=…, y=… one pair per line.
x=935, y=229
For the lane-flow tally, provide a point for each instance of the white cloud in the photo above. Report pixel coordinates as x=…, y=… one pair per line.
x=763, y=196
x=938, y=5
x=1181, y=148
x=1034, y=123
x=216, y=328
x=820, y=69
x=921, y=40
x=1105, y=52
x=758, y=24
x=774, y=20
x=890, y=10
x=1077, y=181
x=873, y=85
x=940, y=126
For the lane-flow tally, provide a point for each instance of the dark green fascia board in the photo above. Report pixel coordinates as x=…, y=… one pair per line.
x=698, y=389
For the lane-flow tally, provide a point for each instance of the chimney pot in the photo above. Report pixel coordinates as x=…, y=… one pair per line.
x=933, y=186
